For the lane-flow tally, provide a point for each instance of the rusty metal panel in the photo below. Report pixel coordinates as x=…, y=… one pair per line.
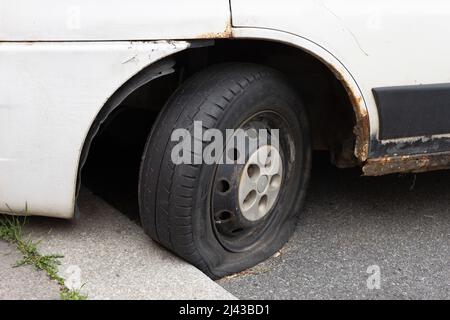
x=406, y=164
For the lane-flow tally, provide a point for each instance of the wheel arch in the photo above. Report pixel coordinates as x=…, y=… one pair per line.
x=166, y=66
x=366, y=127
x=153, y=71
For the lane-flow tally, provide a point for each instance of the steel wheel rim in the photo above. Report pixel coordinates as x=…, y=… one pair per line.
x=232, y=229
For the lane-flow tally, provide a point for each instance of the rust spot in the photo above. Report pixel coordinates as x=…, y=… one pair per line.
x=362, y=134
x=405, y=164
x=227, y=33
x=362, y=126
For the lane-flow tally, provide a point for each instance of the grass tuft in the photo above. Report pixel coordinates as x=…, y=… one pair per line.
x=47, y=263
x=11, y=231
x=72, y=295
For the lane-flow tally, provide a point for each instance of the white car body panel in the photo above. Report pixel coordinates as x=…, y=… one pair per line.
x=101, y=20
x=50, y=95
x=61, y=60
x=380, y=42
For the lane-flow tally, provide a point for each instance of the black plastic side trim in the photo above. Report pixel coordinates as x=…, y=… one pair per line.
x=413, y=111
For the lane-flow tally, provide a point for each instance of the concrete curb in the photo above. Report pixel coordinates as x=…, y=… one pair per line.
x=116, y=259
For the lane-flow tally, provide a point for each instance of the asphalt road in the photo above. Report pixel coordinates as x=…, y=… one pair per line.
x=400, y=223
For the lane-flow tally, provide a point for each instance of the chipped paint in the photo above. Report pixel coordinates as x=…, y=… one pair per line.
x=413, y=145
x=34, y=72
x=227, y=33
x=405, y=164
x=411, y=140
x=362, y=126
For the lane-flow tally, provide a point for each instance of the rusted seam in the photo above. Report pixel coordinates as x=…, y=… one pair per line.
x=362, y=126
x=227, y=33
x=405, y=164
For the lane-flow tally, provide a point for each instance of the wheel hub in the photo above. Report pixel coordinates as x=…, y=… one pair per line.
x=260, y=183
x=244, y=195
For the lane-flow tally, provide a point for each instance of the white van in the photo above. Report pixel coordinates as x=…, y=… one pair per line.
x=368, y=80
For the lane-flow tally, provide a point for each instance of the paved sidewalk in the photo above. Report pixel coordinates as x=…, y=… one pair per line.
x=23, y=282
x=117, y=260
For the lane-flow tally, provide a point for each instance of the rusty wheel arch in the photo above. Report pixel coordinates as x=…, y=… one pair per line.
x=361, y=129
x=168, y=65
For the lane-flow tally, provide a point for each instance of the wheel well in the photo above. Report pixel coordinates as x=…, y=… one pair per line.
x=113, y=149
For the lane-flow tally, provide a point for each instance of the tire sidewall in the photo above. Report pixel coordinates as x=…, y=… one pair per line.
x=268, y=94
